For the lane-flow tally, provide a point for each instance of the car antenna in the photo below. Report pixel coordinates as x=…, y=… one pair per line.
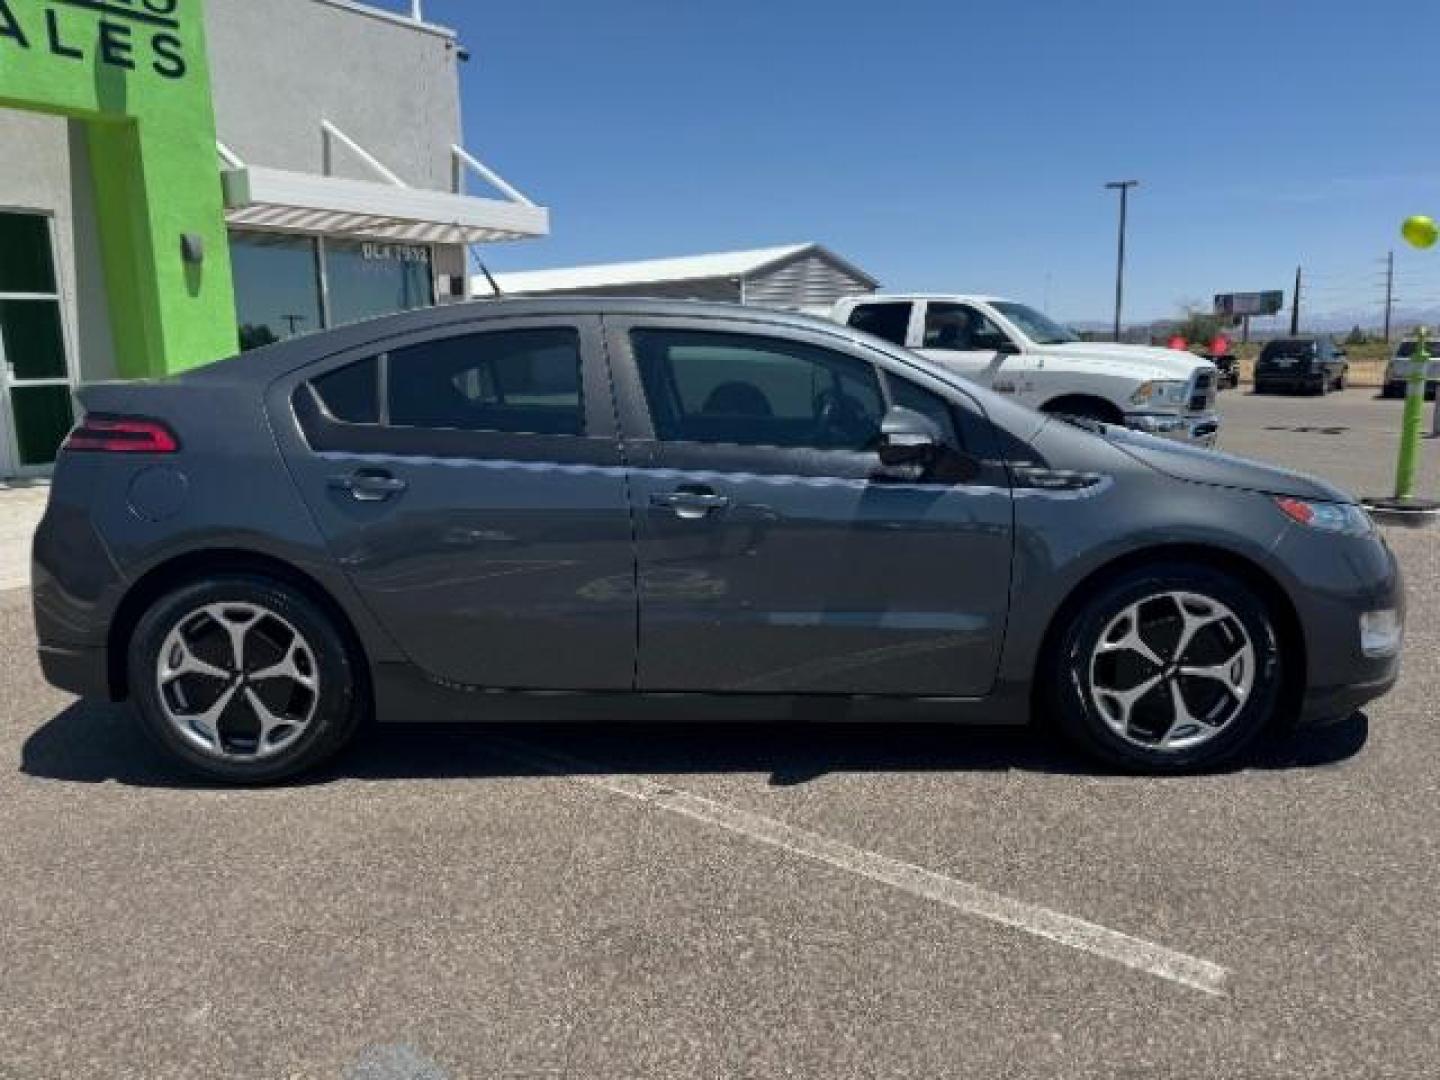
x=494, y=285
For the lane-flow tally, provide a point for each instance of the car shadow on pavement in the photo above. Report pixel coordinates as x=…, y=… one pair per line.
x=97, y=743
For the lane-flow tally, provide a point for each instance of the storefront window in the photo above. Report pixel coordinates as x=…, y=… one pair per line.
x=370, y=278
x=280, y=281
x=43, y=416
x=277, y=287
x=25, y=261
x=35, y=405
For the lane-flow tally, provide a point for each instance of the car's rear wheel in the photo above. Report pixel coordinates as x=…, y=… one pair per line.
x=1171, y=668
x=244, y=679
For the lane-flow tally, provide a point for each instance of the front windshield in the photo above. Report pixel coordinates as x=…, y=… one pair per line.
x=1041, y=329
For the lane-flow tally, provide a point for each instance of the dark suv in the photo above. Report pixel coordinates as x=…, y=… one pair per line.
x=611, y=508
x=1309, y=365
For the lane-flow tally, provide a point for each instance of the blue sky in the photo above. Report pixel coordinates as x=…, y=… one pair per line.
x=956, y=146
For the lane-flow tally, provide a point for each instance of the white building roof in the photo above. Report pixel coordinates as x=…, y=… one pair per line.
x=725, y=264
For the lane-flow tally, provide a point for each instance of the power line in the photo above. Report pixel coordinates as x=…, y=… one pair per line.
x=1389, y=291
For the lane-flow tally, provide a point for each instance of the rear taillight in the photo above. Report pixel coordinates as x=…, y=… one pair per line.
x=122, y=435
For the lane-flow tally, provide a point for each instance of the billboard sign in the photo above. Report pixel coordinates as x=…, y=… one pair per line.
x=1249, y=304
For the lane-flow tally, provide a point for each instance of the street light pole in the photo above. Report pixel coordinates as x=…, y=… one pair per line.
x=1122, y=186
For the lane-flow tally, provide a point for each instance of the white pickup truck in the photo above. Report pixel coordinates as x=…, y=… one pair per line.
x=1014, y=349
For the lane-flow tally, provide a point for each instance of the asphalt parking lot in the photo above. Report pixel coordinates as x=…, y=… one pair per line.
x=701, y=901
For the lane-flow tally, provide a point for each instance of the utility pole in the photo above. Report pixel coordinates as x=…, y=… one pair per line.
x=1389, y=291
x=1295, y=306
x=1122, y=186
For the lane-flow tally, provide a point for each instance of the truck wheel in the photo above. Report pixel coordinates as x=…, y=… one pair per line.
x=1167, y=669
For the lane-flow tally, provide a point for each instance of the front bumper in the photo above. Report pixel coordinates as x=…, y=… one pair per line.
x=1194, y=429
x=1338, y=580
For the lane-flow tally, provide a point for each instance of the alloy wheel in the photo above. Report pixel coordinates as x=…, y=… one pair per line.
x=1172, y=671
x=238, y=681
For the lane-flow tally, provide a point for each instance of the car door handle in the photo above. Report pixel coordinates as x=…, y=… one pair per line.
x=369, y=485
x=690, y=505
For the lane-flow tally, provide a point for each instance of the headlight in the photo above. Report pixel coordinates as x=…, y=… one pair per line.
x=1160, y=392
x=1327, y=516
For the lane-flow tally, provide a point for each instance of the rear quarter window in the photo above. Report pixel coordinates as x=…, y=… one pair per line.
x=351, y=394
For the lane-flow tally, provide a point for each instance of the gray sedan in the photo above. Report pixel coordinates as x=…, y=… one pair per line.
x=612, y=509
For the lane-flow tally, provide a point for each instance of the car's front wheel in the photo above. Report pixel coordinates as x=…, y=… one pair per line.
x=244, y=679
x=1169, y=668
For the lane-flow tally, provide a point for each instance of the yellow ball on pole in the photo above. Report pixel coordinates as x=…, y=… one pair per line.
x=1420, y=231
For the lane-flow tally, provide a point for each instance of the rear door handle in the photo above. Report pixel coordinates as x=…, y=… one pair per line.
x=690, y=505
x=369, y=485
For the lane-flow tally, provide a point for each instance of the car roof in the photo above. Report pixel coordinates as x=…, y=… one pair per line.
x=270, y=362
x=910, y=296
x=278, y=358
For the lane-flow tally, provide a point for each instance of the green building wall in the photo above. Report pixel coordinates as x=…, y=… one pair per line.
x=137, y=75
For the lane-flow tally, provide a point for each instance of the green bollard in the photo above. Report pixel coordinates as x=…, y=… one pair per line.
x=1414, y=417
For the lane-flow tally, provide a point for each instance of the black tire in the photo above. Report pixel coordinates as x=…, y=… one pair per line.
x=333, y=709
x=1074, y=704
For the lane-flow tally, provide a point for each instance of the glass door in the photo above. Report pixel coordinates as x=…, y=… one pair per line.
x=36, y=409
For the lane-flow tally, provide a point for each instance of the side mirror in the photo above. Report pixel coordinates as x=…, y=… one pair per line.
x=908, y=438
x=1006, y=347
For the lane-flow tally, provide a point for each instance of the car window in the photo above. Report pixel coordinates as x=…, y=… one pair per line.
x=1288, y=348
x=908, y=395
x=709, y=387
x=352, y=393
x=890, y=321
x=961, y=328
x=520, y=381
x=1038, y=327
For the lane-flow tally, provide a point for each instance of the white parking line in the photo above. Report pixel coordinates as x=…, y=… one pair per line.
x=1132, y=952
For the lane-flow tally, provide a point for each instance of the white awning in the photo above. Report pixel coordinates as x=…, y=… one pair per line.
x=266, y=198
x=302, y=202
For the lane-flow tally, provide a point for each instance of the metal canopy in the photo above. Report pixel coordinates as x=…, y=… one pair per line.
x=265, y=198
